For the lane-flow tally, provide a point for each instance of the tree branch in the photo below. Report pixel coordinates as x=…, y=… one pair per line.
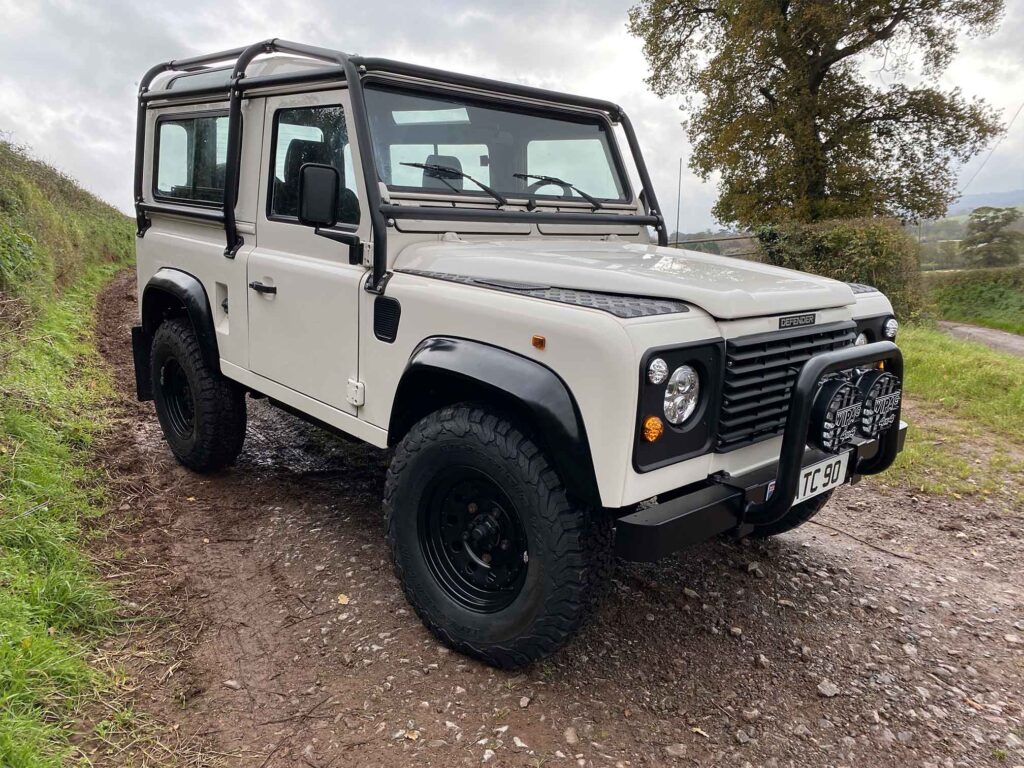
x=869, y=39
x=768, y=96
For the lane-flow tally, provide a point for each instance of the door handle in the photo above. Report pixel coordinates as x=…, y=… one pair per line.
x=259, y=287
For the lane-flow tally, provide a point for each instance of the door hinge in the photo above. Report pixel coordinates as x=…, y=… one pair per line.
x=355, y=394
x=367, y=254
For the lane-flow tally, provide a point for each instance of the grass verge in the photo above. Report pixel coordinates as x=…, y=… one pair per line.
x=58, y=244
x=52, y=606
x=966, y=408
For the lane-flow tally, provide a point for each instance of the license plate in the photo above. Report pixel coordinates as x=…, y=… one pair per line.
x=818, y=478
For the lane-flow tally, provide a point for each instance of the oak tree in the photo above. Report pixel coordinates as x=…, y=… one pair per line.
x=786, y=101
x=990, y=242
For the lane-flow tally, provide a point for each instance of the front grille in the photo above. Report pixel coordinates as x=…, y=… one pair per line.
x=760, y=372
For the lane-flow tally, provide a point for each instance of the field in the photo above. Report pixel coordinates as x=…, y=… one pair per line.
x=969, y=437
x=993, y=298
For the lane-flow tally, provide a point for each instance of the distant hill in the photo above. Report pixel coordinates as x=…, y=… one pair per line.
x=968, y=203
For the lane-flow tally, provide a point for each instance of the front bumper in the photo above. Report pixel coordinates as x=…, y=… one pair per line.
x=739, y=503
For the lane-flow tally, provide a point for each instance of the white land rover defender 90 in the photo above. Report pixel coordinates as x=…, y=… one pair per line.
x=461, y=270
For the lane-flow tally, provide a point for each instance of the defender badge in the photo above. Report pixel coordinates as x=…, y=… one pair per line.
x=796, y=321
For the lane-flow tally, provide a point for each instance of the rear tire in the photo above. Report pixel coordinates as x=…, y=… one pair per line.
x=488, y=549
x=794, y=518
x=202, y=413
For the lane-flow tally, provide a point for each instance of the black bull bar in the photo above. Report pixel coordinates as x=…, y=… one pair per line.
x=738, y=503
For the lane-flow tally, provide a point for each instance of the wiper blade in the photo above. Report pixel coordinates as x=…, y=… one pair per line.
x=560, y=183
x=446, y=172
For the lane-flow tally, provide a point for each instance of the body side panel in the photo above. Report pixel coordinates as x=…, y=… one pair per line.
x=197, y=247
x=588, y=349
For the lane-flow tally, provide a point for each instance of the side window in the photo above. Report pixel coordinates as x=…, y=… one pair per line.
x=191, y=153
x=311, y=135
x=584, y=162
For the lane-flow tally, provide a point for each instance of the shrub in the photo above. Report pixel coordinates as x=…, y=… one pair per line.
x=873, y=251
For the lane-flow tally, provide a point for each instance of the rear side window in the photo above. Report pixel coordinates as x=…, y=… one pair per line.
x=311, y=135
x=191, y=154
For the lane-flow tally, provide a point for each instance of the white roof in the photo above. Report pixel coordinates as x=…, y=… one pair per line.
x=274, y=64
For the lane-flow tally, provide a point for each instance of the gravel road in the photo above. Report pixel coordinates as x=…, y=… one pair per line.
x=269, y=630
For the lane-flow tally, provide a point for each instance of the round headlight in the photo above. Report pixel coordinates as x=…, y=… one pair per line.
x=861, y=340
x=657, y=371
x=682, y=394
x=890, y=328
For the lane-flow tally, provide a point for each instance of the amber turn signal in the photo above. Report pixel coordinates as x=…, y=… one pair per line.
x=539, y=342
x=653, y=428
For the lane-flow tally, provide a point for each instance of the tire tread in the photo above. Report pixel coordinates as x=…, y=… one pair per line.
x=220, y=401
x=583, y=568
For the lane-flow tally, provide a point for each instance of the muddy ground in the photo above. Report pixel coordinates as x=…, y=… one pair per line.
x=268, y=629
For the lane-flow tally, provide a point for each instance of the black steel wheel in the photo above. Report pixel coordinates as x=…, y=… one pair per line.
x=490, y=552
x=473, y=540
x=202, y=413
x=177, y=395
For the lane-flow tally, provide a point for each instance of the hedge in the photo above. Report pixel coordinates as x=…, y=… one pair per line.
x=873, y=251
x=990, y=297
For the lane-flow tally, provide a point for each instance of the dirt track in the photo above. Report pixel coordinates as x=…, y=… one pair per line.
x=283, y=639
x=1002, y=341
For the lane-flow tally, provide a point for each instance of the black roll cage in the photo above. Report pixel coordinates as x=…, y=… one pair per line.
x=353, y=69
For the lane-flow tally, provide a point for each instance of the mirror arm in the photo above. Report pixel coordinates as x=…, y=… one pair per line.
x=355, y=246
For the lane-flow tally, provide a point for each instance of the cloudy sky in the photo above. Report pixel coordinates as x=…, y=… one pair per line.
x=69, y=69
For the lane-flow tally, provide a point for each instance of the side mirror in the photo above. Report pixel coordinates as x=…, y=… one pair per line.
x=318, y=195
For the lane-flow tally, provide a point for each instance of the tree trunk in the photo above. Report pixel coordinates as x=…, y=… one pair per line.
x=811, y=193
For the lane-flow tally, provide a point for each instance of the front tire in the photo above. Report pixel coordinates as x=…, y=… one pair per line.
x=797, y=515
x=202, y=413
x=489, y=551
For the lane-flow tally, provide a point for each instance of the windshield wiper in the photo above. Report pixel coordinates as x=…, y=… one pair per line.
x=446, y=172
x=560, y=183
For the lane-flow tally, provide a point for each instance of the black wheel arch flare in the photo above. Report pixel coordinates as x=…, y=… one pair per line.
x=170, y=288
x=444, y=370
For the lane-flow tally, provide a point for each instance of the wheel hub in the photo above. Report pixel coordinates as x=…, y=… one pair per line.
x=484, y=534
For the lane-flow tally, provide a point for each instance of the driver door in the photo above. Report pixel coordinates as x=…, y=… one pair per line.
x=303, y=292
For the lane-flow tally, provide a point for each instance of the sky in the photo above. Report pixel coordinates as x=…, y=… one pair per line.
x=69, y=72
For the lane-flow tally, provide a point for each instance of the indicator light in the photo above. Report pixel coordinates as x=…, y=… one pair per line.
x=653, y=428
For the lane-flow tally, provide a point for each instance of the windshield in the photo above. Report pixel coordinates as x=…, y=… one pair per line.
x=509, y=149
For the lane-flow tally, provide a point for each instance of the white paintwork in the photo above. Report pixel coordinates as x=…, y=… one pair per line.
x=725, y=287
x=197, y=248
x=317, y=291
x=312, y=345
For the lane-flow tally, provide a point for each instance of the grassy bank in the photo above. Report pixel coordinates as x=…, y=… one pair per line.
x=969, y=400
x=993, y=298
x=57, y=247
